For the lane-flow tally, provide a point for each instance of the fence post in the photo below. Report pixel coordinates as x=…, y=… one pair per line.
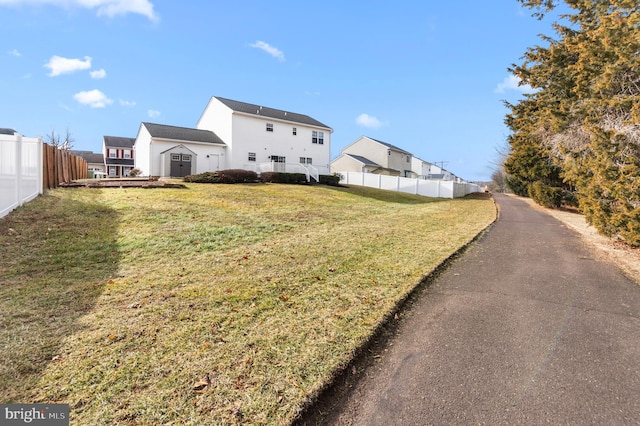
x=18, y=157
x=40, y=165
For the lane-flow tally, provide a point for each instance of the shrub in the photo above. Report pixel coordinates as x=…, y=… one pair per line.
x=224, y=176
x=545, y=195
x=206, y=177
x=331, y=180
x=135, y=172
x=280, y=177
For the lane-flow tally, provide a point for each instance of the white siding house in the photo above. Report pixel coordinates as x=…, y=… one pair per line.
x=370, y=155
x=260, y=138
x=171, y=151
x=235, y=135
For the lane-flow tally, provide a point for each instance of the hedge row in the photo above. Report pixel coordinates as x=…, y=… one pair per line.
x=224, y=176
x=248, y=176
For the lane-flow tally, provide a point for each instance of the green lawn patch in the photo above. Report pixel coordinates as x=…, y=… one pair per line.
x=213, y=304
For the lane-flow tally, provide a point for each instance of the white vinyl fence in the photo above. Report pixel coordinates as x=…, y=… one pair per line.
x=428, y=188
x=20, y=171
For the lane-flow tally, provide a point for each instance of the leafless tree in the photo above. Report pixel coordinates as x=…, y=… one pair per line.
x=60, y=141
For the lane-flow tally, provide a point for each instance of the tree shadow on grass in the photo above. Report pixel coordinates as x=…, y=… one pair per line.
x=57, y=254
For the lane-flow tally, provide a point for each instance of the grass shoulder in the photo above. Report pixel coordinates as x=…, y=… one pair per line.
x=119, y=301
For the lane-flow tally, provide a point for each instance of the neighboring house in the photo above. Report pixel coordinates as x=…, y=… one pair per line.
x=370, y=155
x=262, y=138
x=171, y=151
x=426, y=170
x=351, y=162
x=118, y=155
x=6, y=131
x=95, y=162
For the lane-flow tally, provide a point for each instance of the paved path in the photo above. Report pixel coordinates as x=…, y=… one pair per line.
x=527, y=327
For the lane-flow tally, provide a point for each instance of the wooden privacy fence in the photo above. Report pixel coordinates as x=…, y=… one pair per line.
x=60, y=166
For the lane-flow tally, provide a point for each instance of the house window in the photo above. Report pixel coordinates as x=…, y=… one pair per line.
x=320, y=138
x=388, y=152
x=305, y=160
x=112, y=153
x=252, y=156
x=127, y=154
x=175, y=157
x=408, y=159
x=112, y=171
x=314, y=137
x=186, y=158
x=295, y=131
x=269, y=127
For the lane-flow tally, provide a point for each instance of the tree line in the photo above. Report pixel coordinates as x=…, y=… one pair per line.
x=575, y=139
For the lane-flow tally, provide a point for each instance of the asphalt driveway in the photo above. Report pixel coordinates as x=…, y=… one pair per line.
x=527, y=327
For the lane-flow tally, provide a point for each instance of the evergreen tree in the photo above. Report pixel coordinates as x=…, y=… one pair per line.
x=582, y=125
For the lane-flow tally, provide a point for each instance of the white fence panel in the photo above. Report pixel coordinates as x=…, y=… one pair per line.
x=20, y=171
x=427, y=188
x=407, y=185
x=389, y=183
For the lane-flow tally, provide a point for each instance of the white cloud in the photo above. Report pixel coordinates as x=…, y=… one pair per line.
x=109, y=8
x=367, y=120
x=14, y=52
x=59, y=65
x=273, y=51
x=153, y=113
x=512, y=82
x=98, y=74
x=127, y=103
x=94, y=98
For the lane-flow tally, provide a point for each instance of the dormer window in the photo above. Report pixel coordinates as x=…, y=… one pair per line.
x=269, y=127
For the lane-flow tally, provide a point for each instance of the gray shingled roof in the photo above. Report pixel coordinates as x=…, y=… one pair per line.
x=4, y=131
x=263, y=111
x=390, y=146
x=182, y=133
x=119, y=142
x=363, y=160
x=89, y=157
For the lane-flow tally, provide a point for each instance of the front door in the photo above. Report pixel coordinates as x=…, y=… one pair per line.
x=180, y=165
x=278, y=163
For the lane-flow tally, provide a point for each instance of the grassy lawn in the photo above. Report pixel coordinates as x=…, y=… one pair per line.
x=119, y=301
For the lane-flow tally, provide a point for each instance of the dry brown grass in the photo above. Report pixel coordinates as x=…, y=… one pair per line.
x=118, y=301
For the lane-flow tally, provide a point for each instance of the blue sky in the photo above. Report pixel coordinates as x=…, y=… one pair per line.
x=426, y=76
